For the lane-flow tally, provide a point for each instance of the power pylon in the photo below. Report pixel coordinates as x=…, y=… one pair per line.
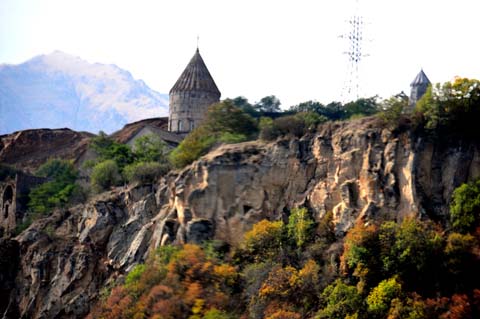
x=355, y=39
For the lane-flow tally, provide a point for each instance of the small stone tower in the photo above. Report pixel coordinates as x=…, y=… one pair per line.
x=191, y=96
x=419, y=86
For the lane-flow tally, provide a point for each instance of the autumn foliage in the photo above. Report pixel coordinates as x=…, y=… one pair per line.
x=407, y=269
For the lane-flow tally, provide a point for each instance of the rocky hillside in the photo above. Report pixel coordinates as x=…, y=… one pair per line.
x=59, y=90
x=29, y=149
x=357, y=169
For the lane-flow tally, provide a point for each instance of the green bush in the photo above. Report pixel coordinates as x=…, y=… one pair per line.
x=393, y=109
x=150, y=148
x=380, y=298
x=295, y=125
x=196, y=144
x=300, y=227
x=108, y=149
x=339, y=300
x=224, y=123
x=362, y=107
x=134, y=275
x=144, y=172
x=453, y=107
x=104, y=175
x=465, y=207
x=58, y=190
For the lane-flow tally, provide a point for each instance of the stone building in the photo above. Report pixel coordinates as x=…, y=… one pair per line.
x=13, y=199
x=190, y=97
x=419, y=87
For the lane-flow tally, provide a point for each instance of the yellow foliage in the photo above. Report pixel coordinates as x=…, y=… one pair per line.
x=226, y=272
x=265, y=237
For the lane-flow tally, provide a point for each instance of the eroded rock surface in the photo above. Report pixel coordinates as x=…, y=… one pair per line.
x=358, y=170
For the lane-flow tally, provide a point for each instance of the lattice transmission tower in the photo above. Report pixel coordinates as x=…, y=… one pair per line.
x=354, y=39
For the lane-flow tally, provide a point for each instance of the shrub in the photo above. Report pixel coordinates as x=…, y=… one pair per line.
x=134, y=275
x=361, y=107
x=380, y=298
x=453, y=107
x=56, y=192
x=265, y=239
x=224, y=117
x=295, y=125
x=150, y=148
x=108, y=149
x=105, y=174
x=339, y=300
x=300, y=227
x=224, y=123
x=144, y=172
x=465, y=207
x=196, y=144
x=393, y=109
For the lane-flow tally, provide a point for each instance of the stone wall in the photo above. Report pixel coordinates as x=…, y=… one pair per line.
x=13, y=199
x=416, y=93
x=188, y=109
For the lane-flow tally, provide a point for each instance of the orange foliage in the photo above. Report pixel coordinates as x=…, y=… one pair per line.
x=359, y=235
x=278, y=283
x=459, y=308
x=191, y=283
x=284, y=314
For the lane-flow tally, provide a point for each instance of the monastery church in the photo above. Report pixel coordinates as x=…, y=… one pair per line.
x=189, y=99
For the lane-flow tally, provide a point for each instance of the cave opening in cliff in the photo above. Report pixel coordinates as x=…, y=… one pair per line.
x=7, y=200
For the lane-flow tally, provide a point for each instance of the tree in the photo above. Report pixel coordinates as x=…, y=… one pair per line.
x=465, y=207
x=224, y=123
x=105, y=174
x=339, y=300
x=308, y=106
x=224, y=117
x=268, y=104
x=300, y=227
x=144, y=172
x=380, y=298
x=334, y=111
x=393, y=109
x=108, y=149
x=58, y=190
x=265, y=239
x=150, y=148
x=453, y=107
x=243, y=104
x=362, y=107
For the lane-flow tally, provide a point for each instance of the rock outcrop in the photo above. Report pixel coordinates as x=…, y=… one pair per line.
x=358, y=170
x=29, y=149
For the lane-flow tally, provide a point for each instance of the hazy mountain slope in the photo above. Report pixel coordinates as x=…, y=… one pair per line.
x=59, y=90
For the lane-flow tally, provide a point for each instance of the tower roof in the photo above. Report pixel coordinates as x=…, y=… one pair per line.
x=420, y=79
x=195, y=77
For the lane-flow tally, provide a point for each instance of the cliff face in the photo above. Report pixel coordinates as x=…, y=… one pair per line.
x=357, y=170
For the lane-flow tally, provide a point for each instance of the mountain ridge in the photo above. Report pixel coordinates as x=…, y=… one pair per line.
x=58, y=90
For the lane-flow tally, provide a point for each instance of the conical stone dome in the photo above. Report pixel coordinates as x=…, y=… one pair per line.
x=196, y=77
x=419, y=87
x=420, y=79
x=190, y=97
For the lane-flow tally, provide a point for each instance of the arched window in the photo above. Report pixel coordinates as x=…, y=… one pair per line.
x=192, y=125
x=180, y=126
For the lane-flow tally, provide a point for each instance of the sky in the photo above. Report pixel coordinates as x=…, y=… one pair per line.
x=291, y=49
